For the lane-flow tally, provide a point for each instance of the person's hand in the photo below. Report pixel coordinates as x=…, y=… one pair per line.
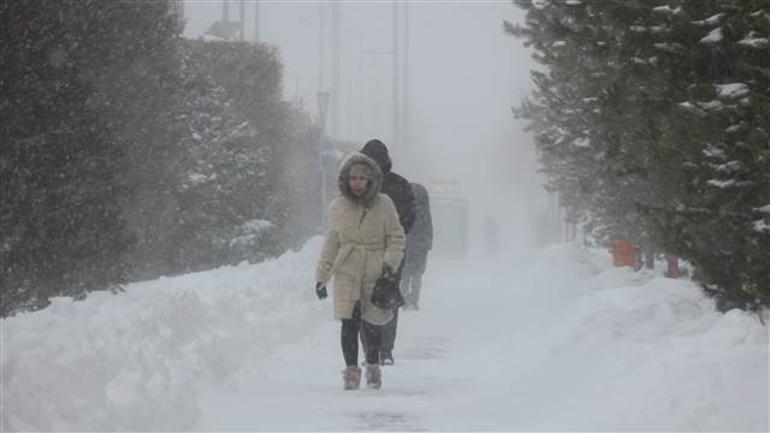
x=320, y=290
x=386, y=271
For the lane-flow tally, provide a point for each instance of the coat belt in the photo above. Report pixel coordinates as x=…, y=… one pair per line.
x=348, y=247
x=368, y=247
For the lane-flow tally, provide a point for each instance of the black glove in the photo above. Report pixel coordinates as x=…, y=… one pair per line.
x=320, y=290
x=386, y=271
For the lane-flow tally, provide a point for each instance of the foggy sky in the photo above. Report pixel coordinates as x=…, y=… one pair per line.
x=465, y=74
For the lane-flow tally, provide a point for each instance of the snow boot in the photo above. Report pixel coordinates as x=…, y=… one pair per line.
x=351, y=378
x=373, y=376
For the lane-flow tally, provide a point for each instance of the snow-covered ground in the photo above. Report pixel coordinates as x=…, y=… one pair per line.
x=559, y=340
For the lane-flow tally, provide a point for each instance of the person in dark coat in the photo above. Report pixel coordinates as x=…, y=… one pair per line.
x=418, y=242
x=492, y=235
x=400, y=192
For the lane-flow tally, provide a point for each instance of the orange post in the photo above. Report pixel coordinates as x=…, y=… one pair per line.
x=623, y=254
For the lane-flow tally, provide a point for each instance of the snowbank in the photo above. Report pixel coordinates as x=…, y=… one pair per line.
x=623, y=350
x=134, y=361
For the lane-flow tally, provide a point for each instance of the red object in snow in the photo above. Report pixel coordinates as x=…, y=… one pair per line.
x=623, y=254
x=571, y=233
x=673, y=266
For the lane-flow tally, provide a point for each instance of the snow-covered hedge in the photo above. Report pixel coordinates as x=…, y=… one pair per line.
x=133, y=361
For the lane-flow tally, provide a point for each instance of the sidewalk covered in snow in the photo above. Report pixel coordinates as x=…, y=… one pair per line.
x=561, y=341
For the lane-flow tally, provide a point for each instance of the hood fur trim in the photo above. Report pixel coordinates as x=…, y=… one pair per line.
x=372, y=189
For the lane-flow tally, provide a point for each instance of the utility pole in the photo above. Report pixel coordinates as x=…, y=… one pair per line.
x=406, y=130
x=256, y=21
x=361, y=88
x=177, y=7
x=242, y=13
x=322, y=46
x=396, y=111
x=373, y=90
x=225, y=11
x=336, y=89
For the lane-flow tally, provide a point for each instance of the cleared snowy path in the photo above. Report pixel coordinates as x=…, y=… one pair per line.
x=556, y=344
x=439, y=366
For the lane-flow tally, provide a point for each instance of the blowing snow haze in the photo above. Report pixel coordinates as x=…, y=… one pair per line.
x=459, y=75
x=588, y=251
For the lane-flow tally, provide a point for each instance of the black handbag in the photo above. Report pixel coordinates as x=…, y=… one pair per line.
x=386, y=293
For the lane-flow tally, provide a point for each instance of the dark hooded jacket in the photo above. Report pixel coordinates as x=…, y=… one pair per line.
x=393, y=185
x=420, y=239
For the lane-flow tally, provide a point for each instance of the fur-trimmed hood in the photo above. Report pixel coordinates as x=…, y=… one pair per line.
x=372, y=189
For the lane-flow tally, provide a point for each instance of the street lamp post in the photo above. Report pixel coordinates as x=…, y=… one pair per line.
x=299, y=93
x=405, y=133
x=323, y=105
x=256, y=21
x=396, y=108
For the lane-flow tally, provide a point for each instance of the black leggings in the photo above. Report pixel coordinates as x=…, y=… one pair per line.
x=349, y=337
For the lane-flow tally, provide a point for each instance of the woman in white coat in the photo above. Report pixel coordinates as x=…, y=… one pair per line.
x=364, y=239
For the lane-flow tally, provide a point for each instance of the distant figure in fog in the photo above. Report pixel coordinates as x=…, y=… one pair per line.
x=418, y=242
x=491, y=235
x=399, y=190
x=364, y=240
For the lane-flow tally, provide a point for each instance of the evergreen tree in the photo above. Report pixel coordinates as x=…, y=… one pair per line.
x=730, y=102
x=225, y=185
x=651, y=121
x=76, y=79
x=283, y=190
